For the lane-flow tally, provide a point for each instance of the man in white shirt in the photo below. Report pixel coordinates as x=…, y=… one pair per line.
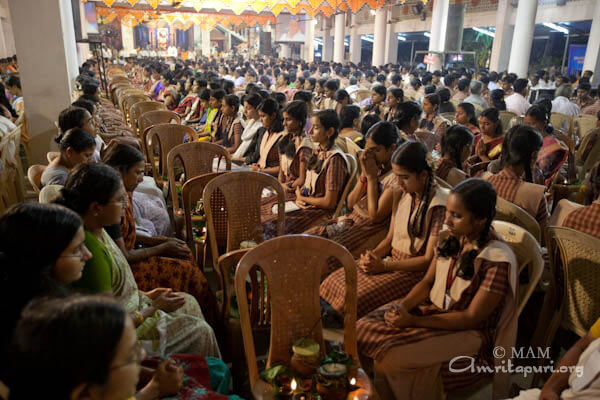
x=517, y=102
x=493, y=79
x=353, y=87
x=239, y=79
x=562, y=104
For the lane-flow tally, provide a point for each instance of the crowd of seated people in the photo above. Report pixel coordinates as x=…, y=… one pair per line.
x=370, y=158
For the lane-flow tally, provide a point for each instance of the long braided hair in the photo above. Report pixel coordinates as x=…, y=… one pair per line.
x=520, y=143
x=479, y=198
x=454, y=141
x=413, y=157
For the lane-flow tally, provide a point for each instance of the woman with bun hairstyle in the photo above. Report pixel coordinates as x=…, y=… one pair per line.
x=370, y=201
x=464, y=306
x=407, y=119
x=76, y=146
x=515, y=182
x=400, y=260
x=456, y=148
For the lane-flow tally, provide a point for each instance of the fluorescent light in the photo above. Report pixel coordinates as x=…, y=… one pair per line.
x=427, y=34
x=484, y=31
x=367, y=38
x=401, y=38
x=556, y=27
x=372, y=12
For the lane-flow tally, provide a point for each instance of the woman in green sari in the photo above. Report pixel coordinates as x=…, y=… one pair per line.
x=166, y=322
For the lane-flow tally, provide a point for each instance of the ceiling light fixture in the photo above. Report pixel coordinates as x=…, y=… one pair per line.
x=556, y=27
x=484, y=31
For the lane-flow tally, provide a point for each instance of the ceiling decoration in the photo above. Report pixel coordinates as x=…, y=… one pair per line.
x=241, y=7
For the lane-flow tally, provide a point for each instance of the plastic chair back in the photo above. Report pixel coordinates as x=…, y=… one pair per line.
x=34, y=175
x=510, y=212
x=349, y=184
x=166, y=136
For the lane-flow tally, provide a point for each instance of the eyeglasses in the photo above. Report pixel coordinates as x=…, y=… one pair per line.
x=80, y=252
x=138, y=356
x=123, y=202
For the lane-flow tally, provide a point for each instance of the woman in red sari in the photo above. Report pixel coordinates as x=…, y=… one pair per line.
x=554, y=152
x=164, y=262
x=488, y=144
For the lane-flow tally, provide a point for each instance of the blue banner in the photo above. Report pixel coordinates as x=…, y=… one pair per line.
x=576, y=57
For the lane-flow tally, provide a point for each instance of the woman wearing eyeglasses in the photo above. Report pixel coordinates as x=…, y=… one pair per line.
x=42, y=251
x=82, y=348
x=173, y=322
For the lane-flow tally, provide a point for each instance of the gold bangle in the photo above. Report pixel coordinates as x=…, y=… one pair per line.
x=138, y=318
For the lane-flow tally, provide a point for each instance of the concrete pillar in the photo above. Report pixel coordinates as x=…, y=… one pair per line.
x=197, y=39
x=206, y=43
x=227, y=42
x=286, y=51
x=338, y=39
x=128, y=42
x=83, y=49
x=439, y=21
x=309, y=41
x=327, y=46
x=47, y=65
x=379, y=37
x=355, y=41
x=391, y=44
x=503, y=38
x=592, y=53
x=521, y=48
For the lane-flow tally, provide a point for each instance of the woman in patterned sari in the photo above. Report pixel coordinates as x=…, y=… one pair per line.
x=163, y=261
x=464, y=305
x=487, y=146
x=167, y=322
x=554, y=152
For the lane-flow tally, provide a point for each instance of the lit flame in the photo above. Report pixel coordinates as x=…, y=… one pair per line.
x=353, y=381
x=293, y=385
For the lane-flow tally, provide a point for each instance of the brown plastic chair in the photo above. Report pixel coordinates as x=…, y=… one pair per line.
x=197, y=159
x=574, y=193
x=585, y=162
x=510, y=212
x=529, y=254
x=242, y=195
x=450, y=116
x=114, y=90
x=292, y=263
x=128, y=102
x=505, y=118
x=583, y=124
x=429, y=139
x=126, y=92
x=156, y=117
x=478, y=167
x=443, y=183
x=361, y=94
x=140, y=109
x=573, y=299
x=191, y=192
x=349, y=184
x=34, y=174
x=163, y=137
x=562, y=122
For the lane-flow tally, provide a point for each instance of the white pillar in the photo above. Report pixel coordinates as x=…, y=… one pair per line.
x=379, y=37
x=227, y=41
x=439, y=21
x=128, y=42
x=521, y=47
x=83, y=49
x=197, y=39
x=355, y=41
x=592, y=53
x=286, y=51
x=338, y=39
x=503, y=38
x=205, y=43
x=50, y=48
x=327, y=46
x=391, y=45
x=309, y=41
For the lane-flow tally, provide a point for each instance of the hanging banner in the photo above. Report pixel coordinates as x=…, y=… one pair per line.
x=576, y=58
